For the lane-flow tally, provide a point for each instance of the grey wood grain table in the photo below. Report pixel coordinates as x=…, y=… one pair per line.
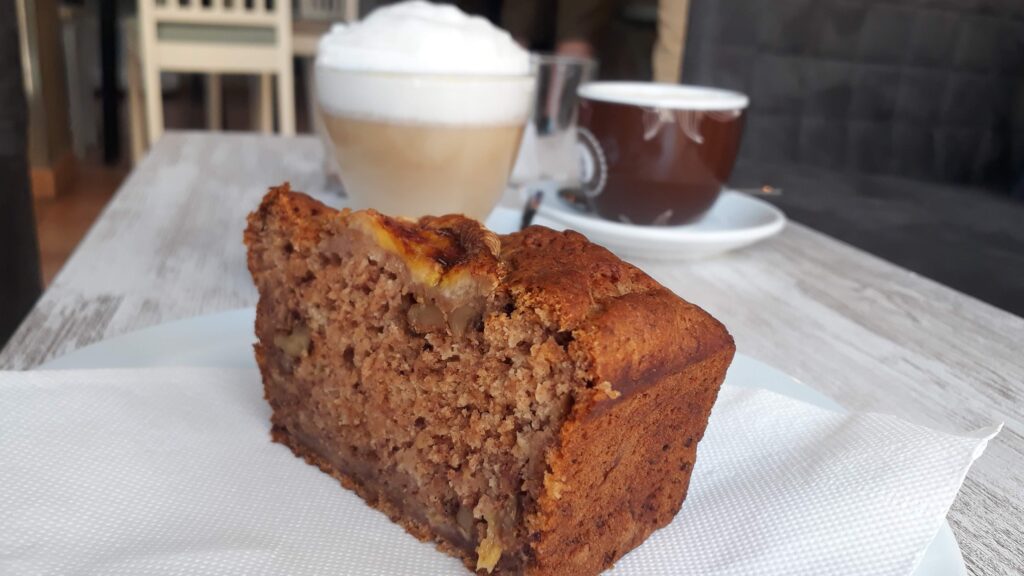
x=867, y=333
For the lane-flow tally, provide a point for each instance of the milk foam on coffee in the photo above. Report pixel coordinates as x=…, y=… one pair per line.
x=422, y=37
x=470, y=72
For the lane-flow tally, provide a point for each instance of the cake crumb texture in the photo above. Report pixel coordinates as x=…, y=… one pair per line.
x=528, y=402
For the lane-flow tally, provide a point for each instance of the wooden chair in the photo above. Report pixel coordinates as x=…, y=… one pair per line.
x=217, y=37
x=313, y=19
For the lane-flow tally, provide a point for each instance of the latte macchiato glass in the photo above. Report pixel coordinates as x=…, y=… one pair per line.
x=424, y=107
x=418, y=144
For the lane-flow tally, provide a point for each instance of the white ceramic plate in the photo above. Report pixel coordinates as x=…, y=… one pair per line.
x=225, y=340
x=736, y=220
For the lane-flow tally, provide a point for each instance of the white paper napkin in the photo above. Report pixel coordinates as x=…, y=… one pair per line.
x=171, y=471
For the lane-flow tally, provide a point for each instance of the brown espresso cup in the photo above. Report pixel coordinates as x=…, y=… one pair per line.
x=656, y=154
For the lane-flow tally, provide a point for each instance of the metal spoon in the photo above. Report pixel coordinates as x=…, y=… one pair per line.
x=530, y=210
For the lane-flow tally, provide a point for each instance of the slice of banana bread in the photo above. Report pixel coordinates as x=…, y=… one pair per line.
x=529, y=402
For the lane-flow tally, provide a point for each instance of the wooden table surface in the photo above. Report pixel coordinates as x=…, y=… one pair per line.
x=867, y=333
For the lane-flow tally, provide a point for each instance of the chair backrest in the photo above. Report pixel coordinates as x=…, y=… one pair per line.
x=244, y=13
x=926, y=89
x=329, y=10
x=226, y=36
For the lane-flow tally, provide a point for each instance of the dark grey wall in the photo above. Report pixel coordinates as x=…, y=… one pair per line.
x=894, y=125
x=19, y=254
x=927, y=89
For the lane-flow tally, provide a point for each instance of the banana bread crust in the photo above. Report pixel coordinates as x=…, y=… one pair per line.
x=647, y=367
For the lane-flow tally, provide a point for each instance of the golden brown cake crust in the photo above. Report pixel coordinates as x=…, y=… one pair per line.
x=648, y=366
x=633, y=329
x=623, y=464
x=444, y=245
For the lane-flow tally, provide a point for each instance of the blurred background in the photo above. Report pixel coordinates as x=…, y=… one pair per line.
x=895, y=125
x=84, y=79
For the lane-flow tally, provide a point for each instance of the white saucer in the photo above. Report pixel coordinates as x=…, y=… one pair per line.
x=736, y=220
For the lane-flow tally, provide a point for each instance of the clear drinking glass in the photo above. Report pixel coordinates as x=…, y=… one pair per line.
x=548, y=158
